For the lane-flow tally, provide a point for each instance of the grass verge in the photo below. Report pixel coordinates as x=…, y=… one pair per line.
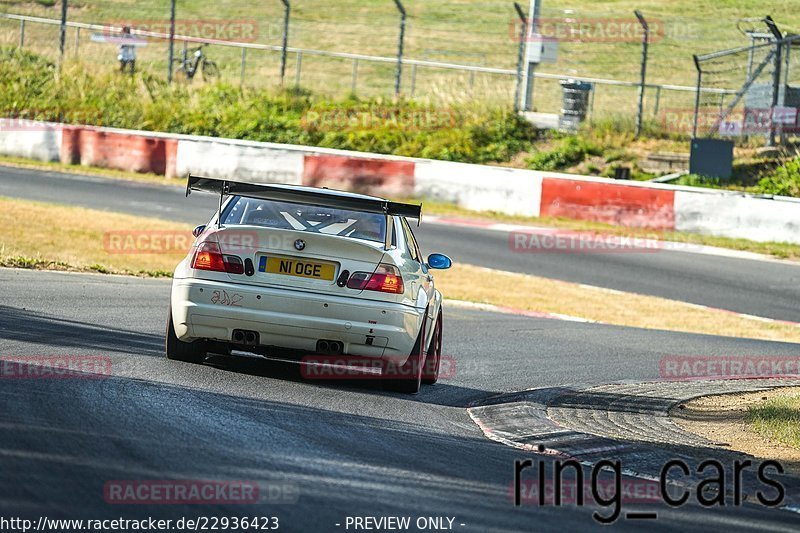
x=78, y=239
x=73, y=238
x=534, y=293
x=778, y=419
x=745, y=422
x=53, y=166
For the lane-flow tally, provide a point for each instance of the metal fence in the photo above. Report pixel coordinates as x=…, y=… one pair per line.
x=765, y=75
x=442, y=73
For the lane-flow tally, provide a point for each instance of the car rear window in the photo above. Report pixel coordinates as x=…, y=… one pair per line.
x=302, y=217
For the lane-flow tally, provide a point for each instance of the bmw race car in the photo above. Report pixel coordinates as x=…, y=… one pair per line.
x=306, y=270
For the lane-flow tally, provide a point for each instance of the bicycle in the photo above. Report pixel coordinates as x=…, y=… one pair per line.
x=200, y=61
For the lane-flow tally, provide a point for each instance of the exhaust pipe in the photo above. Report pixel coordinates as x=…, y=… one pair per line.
x=329, y=347
x=247, y=338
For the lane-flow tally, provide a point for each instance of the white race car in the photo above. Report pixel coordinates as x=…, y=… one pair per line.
x=301, y=270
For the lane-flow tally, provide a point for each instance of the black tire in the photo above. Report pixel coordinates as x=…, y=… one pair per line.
x=210, y=70
x=180, y=69
x=408, y=378
x=430, y=372
x=177, y=350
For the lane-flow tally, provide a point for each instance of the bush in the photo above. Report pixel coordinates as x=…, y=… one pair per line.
x=571, y=151
x=783, y=181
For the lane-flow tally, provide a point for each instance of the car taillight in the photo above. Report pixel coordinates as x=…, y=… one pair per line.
x=386, y=278
x=209, y=257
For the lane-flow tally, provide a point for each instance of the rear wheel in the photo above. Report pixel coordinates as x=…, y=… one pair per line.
x=408, y=377
x=430, y=373
x=210, y=70
x=180, y=69
x=177, y=350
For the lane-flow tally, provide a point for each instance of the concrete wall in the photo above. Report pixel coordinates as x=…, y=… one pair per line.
x=740, y=216
x=42, y=143
x=240, y=161
x=482, y=188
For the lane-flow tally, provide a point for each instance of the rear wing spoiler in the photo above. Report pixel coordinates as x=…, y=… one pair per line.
x=283, y=193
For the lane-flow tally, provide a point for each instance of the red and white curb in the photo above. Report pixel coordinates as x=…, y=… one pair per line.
x=525, y=421
x=745, y=315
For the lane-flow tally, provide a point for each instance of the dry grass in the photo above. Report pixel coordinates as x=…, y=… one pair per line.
x=727, y=419
x=778, y=419
x=533, y=293
x=36, y=234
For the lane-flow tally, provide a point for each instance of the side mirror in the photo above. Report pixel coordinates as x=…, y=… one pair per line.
x=198, y=230
x=439, y=261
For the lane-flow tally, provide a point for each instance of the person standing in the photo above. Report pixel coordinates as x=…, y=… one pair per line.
x=127, y=52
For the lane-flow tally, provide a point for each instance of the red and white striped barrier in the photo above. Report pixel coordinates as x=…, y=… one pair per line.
x=478, y=187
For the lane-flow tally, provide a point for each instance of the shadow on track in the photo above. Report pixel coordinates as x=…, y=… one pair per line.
x=76, y=336
x=61, y=441
x=442, y=393
x=27, y=327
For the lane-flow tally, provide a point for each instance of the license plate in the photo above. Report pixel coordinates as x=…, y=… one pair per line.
x=297, y=268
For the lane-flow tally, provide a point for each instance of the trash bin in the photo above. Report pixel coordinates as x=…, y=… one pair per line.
x=575, y=104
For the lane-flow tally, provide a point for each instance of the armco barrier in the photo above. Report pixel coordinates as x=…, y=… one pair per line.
x=242, y=160
x=40, y=144
x=364, y=175
x=98, y=147
x=738, y=216
x=620, y=204
x=478, y=187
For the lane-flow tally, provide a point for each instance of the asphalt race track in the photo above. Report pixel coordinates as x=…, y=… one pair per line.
x=768, y=289
x=336, y=449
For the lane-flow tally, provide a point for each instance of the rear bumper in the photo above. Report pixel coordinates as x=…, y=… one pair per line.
x=296, y=320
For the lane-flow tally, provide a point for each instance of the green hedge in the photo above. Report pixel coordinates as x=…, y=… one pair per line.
x=784, y=180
